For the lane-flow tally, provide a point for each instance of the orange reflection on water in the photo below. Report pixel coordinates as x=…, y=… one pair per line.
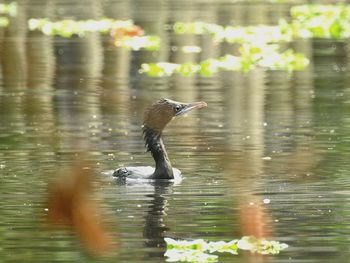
x=255, y=219
x=70, y=204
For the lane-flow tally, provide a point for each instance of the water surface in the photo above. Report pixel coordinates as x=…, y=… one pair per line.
x=265, y=136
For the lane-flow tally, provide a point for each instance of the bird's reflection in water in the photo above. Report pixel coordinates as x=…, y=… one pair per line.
x=155, y=227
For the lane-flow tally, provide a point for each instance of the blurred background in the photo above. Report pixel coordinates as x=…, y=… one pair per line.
x=269, y=157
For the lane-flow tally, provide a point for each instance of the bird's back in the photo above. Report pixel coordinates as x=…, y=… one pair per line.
x=141, y=173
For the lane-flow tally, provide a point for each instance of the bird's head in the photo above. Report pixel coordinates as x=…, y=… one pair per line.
x=160, y=113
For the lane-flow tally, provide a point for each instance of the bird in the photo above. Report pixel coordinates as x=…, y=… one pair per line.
x=156, y=117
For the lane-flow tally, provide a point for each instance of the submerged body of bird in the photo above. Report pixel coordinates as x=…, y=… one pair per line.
x=156, y=117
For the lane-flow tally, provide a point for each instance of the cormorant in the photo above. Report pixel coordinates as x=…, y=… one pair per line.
x=156, y=117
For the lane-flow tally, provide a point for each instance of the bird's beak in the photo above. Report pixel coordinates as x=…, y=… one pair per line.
x=190, y=106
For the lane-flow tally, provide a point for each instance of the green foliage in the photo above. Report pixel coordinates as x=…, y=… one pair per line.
x=200, y=250
x=4, y=21
x=235, y=34
x=67, y=28
x=150, y=43
x=258, y=45
x=321, y=21
x=123, y=33
x=308, y=21
x=8, y=9
x=199, y=28
x=250, y=57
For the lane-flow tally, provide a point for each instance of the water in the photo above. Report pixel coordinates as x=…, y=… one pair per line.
x=269, y=155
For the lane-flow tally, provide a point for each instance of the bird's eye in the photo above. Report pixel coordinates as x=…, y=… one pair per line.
x=177, y=108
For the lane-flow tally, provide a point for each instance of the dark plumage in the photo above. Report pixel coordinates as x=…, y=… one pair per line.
x=156, y=117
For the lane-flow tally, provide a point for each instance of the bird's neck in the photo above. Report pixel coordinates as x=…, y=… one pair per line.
x=154, y=144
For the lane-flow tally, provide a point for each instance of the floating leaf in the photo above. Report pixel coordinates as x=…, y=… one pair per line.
x=174, y=255
x=201, y=251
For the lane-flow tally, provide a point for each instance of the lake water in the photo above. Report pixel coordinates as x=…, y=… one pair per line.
x=268, y=156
